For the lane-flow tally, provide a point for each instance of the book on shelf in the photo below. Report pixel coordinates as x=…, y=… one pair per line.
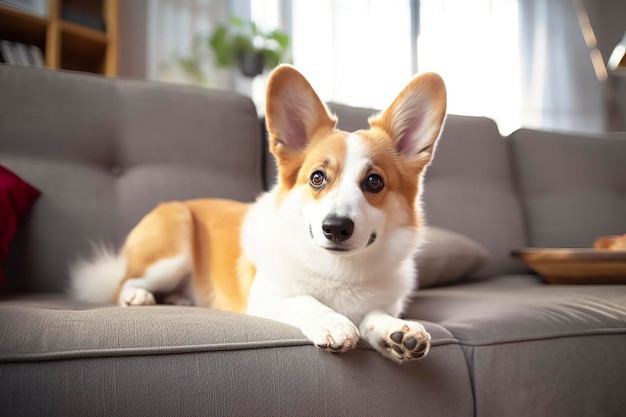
x=20, y=54
x=6, y=49
x=36, y=56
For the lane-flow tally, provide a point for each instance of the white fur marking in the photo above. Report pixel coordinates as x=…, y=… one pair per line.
x=96, y=280
x=326, y=293
x=136, y=297
x=163, y=276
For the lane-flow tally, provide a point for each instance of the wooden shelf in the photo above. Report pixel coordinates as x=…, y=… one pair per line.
x=9, y=14
x=65, y=44
x=83, y=34
x=19, y=26
x=82, y=49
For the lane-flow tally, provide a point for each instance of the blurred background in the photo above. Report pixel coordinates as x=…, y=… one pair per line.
x=552, y=64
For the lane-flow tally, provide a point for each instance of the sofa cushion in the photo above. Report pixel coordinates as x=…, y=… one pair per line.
x=16, y=196
x=518, y=332
x=469, y=188
x=170, y=360
x=574, y=187
x=446, y=257
x=105, y=151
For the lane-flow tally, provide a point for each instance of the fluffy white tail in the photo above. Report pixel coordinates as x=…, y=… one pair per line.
x=97, y=279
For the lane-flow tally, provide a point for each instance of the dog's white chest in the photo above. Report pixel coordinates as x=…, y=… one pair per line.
x=351, y=300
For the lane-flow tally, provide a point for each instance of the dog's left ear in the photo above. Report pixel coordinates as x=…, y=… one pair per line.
x=415, y=118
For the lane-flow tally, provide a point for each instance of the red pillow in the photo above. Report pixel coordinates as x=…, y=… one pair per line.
x=16, y=196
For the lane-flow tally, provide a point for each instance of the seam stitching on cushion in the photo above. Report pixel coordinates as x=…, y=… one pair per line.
x=596, y=332
x=159, y=350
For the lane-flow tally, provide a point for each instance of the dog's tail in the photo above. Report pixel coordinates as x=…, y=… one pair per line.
x=96, y=280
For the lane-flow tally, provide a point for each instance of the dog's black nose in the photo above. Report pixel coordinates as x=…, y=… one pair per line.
x=337, y=229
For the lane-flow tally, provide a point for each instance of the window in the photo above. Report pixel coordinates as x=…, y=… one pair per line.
x=474, y=46
x=359, y=52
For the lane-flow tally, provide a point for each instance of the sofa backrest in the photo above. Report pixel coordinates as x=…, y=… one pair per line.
x=104, y=151
x=469, y=188
x=573, y=187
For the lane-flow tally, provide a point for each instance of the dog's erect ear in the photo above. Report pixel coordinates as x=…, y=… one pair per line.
x=293, y=110
x=415, y=117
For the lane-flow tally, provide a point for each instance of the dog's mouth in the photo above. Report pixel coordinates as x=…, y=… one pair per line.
x=342, y=248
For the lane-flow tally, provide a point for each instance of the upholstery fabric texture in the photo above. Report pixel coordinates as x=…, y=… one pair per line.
x=517, y=332
x=171, y=360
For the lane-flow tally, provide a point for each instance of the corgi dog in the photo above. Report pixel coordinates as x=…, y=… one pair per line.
x=329, y=249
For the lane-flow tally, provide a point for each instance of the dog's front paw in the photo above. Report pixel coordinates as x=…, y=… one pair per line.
x=409, y=342
x=136, y=297
x=399, y=340
x=332, y=332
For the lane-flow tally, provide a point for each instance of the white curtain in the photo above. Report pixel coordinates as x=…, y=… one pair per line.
x=353, y=51
x=519, y=62
x=359, y=52
x=473, y=45
x=559, y=84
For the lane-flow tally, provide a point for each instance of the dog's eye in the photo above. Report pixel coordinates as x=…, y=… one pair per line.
x=317, y=179
x=373, y=183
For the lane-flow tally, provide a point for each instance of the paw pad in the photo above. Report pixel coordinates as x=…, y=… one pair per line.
x=407, y=344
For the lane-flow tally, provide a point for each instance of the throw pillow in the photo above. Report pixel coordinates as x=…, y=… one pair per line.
x=16, y=196
x=447, y=256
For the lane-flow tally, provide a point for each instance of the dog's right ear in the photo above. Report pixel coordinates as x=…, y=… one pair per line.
x=293, y=111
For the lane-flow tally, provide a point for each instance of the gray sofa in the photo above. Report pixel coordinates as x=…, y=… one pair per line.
x=104, y=151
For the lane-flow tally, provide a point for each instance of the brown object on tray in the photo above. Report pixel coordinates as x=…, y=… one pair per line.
x=611, y=242
x=576, y=266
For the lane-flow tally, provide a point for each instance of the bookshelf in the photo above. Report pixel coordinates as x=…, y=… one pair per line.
x=64, y=43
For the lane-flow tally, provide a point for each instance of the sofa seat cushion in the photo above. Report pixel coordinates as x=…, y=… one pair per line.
x=521, y=307
x=170, y=360
x=41, y=324
x=517, y=332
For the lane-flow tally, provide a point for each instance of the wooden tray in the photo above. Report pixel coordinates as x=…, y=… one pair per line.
x=576, y=266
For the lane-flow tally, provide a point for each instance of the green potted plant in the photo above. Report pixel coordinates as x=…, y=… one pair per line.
x=243, y=44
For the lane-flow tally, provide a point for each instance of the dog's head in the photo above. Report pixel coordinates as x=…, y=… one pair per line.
x=353, y=187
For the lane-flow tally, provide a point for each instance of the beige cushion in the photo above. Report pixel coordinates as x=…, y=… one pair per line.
x=447, y=256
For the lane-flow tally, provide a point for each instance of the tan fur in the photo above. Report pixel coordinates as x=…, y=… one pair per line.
x=210, y=230
x=222, y=278
x=315, y=125
x=161, y=234
x=326, y=156
x=428, y=84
